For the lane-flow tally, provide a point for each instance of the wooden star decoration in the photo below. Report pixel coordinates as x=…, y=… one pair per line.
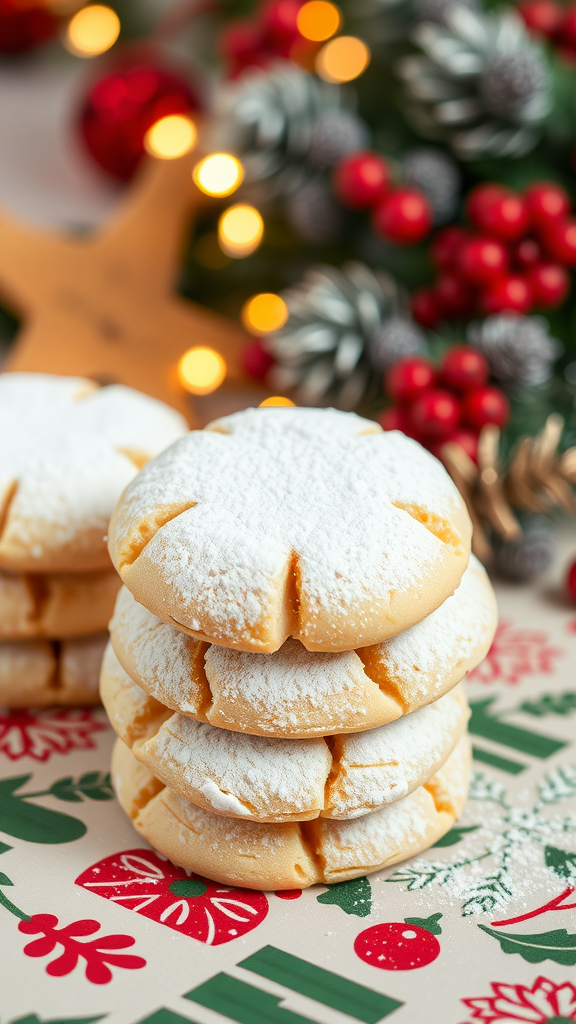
x=103, y=305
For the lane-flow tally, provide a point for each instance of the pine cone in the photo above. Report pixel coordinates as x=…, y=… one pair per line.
x=481, y=85
x=531, y=554
x=314, y=213
x=283, y=122
x=519, y=349
x=392, y=21
x=436, y=175
x=337, y=319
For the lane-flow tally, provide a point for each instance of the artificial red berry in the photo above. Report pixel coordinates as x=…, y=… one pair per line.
x=24, y=26
x=511, y=292
x=560, y=241
x=549, y=284
x=424, y=306
x=467, y=439
x=408, y=378
x=361, y=179
x=485, y=405
x=571, y=581
x=567, y=33
x=483, y=260
x=527, y=253
x=404, y=216
x=256, y=360
x=398, y=945
x=446, y=246
x=453, y=296
x=240, y=42
x=434, y=413
x=546, y=202
x=279, y=19
x=542, y=16
x=393, y=418
x=464, y=367
x=505, y=217
x=480, y=199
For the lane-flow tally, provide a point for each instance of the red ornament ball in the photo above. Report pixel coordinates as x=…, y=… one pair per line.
x=464, y=367
x=409, y=378
x=361, y=180
x=511, y=292
x=546, y=203
x=122, y=106
x=549, y=284
x=571, y=581
x=453, y=296
x=424, y=307
x=483, y=260
x=446, y=247
x=23, y=26
x=256, y=360
x=485, y=405
x=542, y=16
x=560, y=241
x=396, y=946
x=404, y=216
x=435, y=413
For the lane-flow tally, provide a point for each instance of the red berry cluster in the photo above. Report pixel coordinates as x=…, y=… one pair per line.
x=273, y=32
x=402, y=214
x=451, y=403
x=513, y=257
x=554, y=22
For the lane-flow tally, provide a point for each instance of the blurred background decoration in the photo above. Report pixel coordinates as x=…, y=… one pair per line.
x=384, y=214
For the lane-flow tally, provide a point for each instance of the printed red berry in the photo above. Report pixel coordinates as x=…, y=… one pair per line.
x=446, y=247
x=549, y=284
x=512, y=292
x=424, y=306
x=393, y=418
x=542, y=16
x=571, y=581
x=527, y=253
x=403, y=216
x=361, y=179
x=453, y=296
x=546, y=203
x=506, y=218
x=400, y=945
x=560, y=241
x=409, y=378
x=483, y=260
x=435, y=413
x=480, y=200
x=464, y=367
x=485, y=405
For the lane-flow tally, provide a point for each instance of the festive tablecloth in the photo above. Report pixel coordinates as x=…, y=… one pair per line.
x=482, y=927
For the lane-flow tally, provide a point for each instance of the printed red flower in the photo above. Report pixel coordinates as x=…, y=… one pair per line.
x=516, y=653
x=39, y=734
x=143, y=881
x=97, y=953
x=519, y=1004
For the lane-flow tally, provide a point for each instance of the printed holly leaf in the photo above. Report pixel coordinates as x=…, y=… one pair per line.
x=25, y=820
x=562, y=862
x=559, y=784
x=550, y=704
x=353, y=897
x=430, y=924
x=33, y=1018
x=557, y=945
x=4, y=847
x=4, y=880
x=90, y=786
x=455, y=835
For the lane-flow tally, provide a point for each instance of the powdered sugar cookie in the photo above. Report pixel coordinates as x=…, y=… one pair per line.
x=56, y=604
x=69, y=450
x=296, y=693
x=309, y=523
x=38, y=673
x=263, y=779
x=291, y=854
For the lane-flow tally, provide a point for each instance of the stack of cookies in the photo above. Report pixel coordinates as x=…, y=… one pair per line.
x=299, y=608
x=68, y=450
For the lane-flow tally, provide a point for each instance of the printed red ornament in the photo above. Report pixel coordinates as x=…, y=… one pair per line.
x=446, y=246
x=23, y=26
x=121, y=107
x=549, y=284
x=511, y=292
x=560, y=241
x=400, y=945
x=485, y=405
x=361, y=179
x=571, y=581
x=409, y=378
x=542, y=16
x=463, y=367
x=483, y=260
x=435, y=413
x=424, y=307
x=546, y=203
x=404, y=216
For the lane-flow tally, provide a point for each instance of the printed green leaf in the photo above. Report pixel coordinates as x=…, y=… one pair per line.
x=562, y=862
x=4, y=880
x=34, y=824
x=430, y=924
x=550, y=704
x=4, y=847
x=455, y=835
x=353, y=897
x=90, y=786
x=557, y=945
x=33, y=1018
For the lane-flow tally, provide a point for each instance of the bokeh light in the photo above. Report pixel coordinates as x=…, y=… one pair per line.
x=219, y=174
x=201, y=370
x=278, y=400
x=171, y=137
x=264, y=313
x=342, y=59
x=240, y=230
x=92, y=31
x=318, y=20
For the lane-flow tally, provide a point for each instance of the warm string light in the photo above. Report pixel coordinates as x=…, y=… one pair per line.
x=218, y=174
x=276, y=400
x=201, y=370
x=240, y=230
x=342, y=59
x=92, y=31
x=171, y=137
x=318, y=20
x=264, y=313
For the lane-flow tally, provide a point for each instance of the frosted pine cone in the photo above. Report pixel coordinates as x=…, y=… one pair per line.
x=314, y=213
x=519, y=349
x=480, y=84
